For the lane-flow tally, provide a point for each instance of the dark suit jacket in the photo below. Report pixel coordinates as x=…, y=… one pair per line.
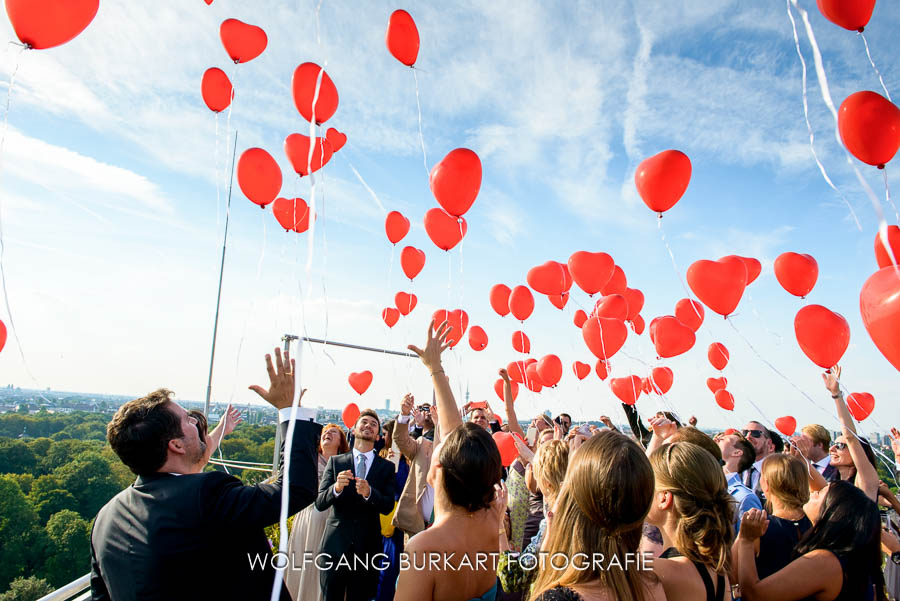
x=354, y=526
x=193, y=536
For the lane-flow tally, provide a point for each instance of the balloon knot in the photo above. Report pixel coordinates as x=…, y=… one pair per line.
x=860, y=30
x=881, y=166
x=660, y=215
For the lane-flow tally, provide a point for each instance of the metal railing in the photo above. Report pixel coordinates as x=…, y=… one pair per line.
x=80, y=587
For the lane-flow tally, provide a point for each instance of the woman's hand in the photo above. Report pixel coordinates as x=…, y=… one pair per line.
x=753, y=525
x=434, y=346
x=832, y=379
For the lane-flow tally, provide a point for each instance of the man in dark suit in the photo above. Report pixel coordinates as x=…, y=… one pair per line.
x=359, y=486
x=179, y=534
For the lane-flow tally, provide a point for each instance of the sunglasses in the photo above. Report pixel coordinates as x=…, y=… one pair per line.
x=840, y=446
x=752, y=433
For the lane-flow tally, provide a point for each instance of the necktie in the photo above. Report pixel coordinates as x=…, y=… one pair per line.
x=748, y=481
x=361, y=466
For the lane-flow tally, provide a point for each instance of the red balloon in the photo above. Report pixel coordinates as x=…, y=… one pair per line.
x=242, y=42
x=646, y=386
x=627, y=389
x=304, y=85
x=823, y=335
x=716, y=384
x=637, y=324
x=41, y=24
x=520, y=342
x=662, y=179
x=754, y=267
x=717, y=355
x=2, y=335
x=787, y=425
x=591, y=271
x=559, y=300
x=498, y=388
x=582, y=370
x=796, y=273
x=550, y=278
x=455, y=181
x=550, y=370
x=396, y=226
x=390, y=315
x=216, y=89
x=617, y=282
x=725, y=399
x=870, y=127
x=879, y=304
x=405, y=302
x=893, y=241
x=258, y=176
x=521, y=302
x=516, y=371
x=412, y=260
x=292, y=214
x=718, y=284
x=849, y=14
x=861, y=405
x=500, y=299
x=402, y=37
x=350, y=414
x=662, y=378
x=603, y=336
x=478, y=338
x=444, y=230
x=690, y=313
x=580, y=318
x=602, y=369
x=505, y=444
x=614, y=306
x=458, y=321
x=635, y=300
x=360, y=381
x=296, y=147
x=533, y=380
x=672, y=338
x=336, y=138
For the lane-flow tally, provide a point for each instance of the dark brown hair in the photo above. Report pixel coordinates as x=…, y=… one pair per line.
x=369, y=413
x=748, y=453
x=471, y=466
x=141, y=429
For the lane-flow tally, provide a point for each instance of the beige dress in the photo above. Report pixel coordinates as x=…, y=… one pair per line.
x=302, y=578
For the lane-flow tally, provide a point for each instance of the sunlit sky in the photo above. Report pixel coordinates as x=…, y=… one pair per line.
x=115, y=177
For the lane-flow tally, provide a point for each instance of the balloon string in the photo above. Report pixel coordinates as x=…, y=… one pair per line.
x=887, y=194
x=325, y=264
x=366, y=186
x=809, y=129
x=216, y=169
x=687, y=290
x=421, y=135
x=871, y=62
x=462, y=284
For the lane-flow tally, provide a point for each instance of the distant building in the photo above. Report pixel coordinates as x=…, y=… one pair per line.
x=387, y=404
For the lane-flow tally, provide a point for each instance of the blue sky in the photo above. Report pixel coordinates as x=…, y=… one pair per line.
x=113, y=228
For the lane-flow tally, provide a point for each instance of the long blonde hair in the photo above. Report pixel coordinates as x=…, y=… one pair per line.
x=604, y=499
x=786, y=479
x=705, y=526
x=549, y=467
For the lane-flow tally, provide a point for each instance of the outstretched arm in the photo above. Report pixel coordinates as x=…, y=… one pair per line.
x=448, y=412
x=511, y=419
x=866, y=475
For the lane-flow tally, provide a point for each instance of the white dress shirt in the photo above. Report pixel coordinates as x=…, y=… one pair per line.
x=370, y=457
x=822, y=464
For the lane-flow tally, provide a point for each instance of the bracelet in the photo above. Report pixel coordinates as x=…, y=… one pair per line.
x=436, y=372
x=838, y=395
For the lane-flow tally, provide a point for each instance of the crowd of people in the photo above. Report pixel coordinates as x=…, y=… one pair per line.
x=423, y=507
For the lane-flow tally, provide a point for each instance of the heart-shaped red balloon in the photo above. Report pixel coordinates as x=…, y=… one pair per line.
x=533, y=380
x=513, y=385
x=500, y=299
x=725, y=399
x=870, y=127
x=718, y=355
x=582, y=370
x=520, y=342
x=402, y=39
x=444, y=230
x=879, y=304
x=521, y=302
x=672, y=337
x=550, y=370
x=849, y=14
x=412, y=260
x=243, y=42
x=360, y=381
x=796, y=273
x=336, y=138
x=602, y=369
x=882, y=257
x=626, y=389
x=617, y=282
x=613, y=306
x=2, y=335
x=591, y=271
x=458, y=321
x=718, y=284
x=603, y=336
x=41, y=24
x=754, y=267
x=350, y=414
x=662, y=179
x=637, y=324
x=690, y=313
x=787, y=425
x=559, y=300
x=646, y=386
x=292, y=214
x=311, y=81
x=478, y=338
x=296, y=148
x=258, y=176
x=635, y=300
x=216, y=89
x=861, y=405
x=580, y=318
x=662, y=378
x=405, y=302
x=507, y=447
x=456, y=180
x=390, y=315
x=716, y=384
x=823, y=335
x=516, y=371
x=550, y=278
x=396, y=226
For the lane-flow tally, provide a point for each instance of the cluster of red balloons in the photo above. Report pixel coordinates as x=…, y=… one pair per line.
x=455, y=182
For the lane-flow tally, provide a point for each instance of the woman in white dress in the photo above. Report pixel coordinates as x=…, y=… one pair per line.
x=302, y=577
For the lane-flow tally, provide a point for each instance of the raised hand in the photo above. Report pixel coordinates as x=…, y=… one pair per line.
x=232, y=419
x=895, y=442
x=434, y=346
x=406, y=405
x=832, y=379
x=281, y=381
x=693, y=421
x=753, y=524
x=504, y=374
x=662, y=426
